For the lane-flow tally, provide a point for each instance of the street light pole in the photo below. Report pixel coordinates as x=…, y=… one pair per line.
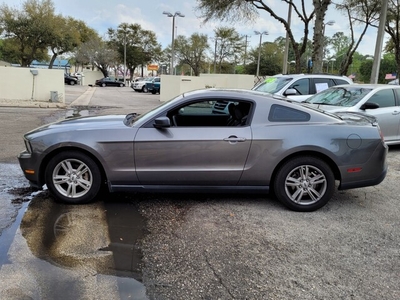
x=125, y=58
x=215, y=54
x=173, y=35
x=259, y=49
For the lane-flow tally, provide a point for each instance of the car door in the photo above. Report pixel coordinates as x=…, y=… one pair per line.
x=388, y=113
x=302, y=88
x=200, y=150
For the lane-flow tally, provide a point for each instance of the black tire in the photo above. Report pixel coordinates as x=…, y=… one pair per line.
x=144, y=89
x=153, y=91
x=72, y=82
x=304, y=183
x=121, y=85
x=103, y=84
x=73, y=177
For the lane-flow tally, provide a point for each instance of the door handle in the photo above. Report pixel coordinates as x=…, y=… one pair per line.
x=234, y=139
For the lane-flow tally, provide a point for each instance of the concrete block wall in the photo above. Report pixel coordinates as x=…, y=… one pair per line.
x=20, y=84
x=172, y=86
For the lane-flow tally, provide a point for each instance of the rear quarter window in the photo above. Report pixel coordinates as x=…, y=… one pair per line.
x=279, y=113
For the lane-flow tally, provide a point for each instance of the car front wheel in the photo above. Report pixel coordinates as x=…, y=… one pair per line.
x=73, y=177
x=103, y=84
x=304, y=183
x=144, y=89
x=72, y=82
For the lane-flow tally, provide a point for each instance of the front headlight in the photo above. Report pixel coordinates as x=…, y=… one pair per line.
x=28, y=146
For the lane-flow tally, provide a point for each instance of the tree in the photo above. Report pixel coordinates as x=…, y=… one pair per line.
x=192, y=51
x=320, y=8
x=270, y=62
x=246, y=10
x=141, y=45
x=393, y=29
x=67, y=34
x=358, y=12
x=97, y=53
x=228, y=44
x=27, y=31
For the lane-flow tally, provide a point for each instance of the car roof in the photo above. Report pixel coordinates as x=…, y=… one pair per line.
x=218, y=92
x=318, y=75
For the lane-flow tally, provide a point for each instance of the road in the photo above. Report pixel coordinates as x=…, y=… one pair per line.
x=189, y=246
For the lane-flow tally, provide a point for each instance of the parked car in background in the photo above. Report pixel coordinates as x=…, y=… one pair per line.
x=379, y=100
x=69, y=79
x=107, y=81
x=154, y=86
x=140, y=85
x=299, y=87
x=265, y=144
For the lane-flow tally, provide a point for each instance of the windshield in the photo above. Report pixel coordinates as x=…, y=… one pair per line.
x=339, y=96
x=272, y=84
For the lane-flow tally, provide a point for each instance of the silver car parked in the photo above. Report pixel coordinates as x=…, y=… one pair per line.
x=380, y=100
x=265, y=143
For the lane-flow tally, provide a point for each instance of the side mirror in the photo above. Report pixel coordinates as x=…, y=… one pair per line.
x=290, y=92
x=369, y=105
x=162, y=122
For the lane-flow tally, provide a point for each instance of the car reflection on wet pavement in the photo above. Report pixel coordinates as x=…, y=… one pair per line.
x=81, y=252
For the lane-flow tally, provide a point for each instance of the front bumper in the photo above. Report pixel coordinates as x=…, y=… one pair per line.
x=30, y=168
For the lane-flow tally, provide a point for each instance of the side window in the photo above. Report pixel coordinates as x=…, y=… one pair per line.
x=202, y=113
x=279, y=113
x=341, y=81
x=384, y=98
x=397, y=92
x=322, y=84
x=301, y=86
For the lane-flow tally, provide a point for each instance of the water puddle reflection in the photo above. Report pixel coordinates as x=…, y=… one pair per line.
x=99, y=240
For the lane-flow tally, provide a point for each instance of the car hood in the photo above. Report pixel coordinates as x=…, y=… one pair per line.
x=82, y=123
x=330, y=108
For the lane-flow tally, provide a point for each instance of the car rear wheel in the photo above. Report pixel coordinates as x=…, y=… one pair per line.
x=73, y=177
x=304, y=183
x=144, y=89
x=121, y=85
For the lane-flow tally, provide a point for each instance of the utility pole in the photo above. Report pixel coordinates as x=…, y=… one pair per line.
x=286, y=53
x=379, y=43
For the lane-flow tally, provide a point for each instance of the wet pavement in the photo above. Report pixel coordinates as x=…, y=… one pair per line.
x=54, y=251
x=51, y=249
x=129, y=246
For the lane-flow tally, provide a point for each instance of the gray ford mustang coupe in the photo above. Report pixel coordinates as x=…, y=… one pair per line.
x=262, y=143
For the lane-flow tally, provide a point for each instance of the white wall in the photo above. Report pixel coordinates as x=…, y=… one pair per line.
x=89, y=77
x=20, y=84
x=172, y=86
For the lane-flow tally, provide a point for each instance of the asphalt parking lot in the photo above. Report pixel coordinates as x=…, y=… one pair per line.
x=192, y=246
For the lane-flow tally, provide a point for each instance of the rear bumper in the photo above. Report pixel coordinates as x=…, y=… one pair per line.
x=373, y=171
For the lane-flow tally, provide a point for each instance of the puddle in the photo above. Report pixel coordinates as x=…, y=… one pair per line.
x=74, y=113
x=101, y=240
x=7, y=235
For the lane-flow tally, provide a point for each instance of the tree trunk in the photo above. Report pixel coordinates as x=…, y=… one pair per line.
x=320, y=7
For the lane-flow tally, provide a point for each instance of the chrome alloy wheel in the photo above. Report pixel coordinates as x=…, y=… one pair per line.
x=305, y=185
x=72, y=178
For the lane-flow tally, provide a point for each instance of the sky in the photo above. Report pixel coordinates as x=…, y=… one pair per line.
x=101, y=15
